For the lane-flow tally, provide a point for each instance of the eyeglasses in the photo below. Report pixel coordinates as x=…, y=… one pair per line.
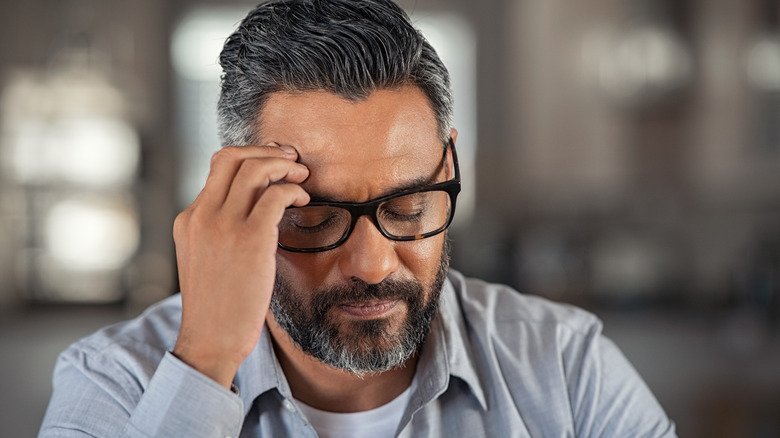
x=410, y=214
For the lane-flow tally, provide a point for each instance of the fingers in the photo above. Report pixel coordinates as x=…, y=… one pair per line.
x=226, y=163
x=269, y=208
x=254, y=177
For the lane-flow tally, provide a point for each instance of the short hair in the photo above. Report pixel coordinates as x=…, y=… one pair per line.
x=347, y=47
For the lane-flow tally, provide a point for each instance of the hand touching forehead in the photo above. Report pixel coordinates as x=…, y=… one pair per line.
x=356, y=150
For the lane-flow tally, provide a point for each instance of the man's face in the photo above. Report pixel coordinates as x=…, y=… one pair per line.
x=366, y=305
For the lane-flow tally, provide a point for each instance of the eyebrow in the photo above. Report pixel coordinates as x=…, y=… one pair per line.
x=411, y=184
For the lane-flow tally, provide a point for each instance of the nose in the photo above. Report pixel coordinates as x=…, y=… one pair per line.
x=367, y=254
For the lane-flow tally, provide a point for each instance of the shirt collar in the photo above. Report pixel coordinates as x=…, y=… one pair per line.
x=260, y=372
x=445, y=353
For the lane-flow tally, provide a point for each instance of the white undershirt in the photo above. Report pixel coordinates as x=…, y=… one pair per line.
x=375, y=423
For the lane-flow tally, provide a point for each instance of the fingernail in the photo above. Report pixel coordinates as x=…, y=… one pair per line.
x=289, y=150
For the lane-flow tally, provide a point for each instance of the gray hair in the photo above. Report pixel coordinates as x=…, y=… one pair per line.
x=346, y=47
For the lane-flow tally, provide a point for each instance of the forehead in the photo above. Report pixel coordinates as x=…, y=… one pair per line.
x=356, y=150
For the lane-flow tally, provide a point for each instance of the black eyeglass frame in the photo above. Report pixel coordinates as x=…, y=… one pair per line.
x=370, y=208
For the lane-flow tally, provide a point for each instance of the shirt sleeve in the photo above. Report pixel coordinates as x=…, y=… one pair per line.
x=609, y=398
x=100, y=397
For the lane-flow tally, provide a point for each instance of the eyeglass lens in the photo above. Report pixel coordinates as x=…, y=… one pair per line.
x=405, y=216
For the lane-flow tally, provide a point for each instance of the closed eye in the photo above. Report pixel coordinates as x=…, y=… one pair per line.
x=322, y=225
x=402, y=216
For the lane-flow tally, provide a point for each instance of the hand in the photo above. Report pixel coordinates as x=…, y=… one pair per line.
x=226, y=245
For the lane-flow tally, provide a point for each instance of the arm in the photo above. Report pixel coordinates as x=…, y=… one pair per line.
x=226, y=245
x=96, y=396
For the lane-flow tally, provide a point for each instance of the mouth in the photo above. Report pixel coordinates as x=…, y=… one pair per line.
x=371, y=309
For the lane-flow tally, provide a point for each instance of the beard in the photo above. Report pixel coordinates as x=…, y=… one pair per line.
x=359, y=346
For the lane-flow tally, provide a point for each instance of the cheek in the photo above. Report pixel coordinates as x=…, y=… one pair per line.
x=422, y=257
x=305, y=271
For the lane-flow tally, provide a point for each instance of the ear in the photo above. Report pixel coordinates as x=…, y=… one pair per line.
x=451, y=165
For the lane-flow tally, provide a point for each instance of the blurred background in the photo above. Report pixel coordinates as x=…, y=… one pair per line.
x=623, y=156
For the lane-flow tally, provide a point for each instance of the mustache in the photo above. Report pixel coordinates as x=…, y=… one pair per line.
x=358, y=290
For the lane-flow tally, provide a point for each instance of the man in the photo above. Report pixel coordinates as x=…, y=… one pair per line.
x=316, y=297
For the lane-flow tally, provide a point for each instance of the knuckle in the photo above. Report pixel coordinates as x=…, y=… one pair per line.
x=198, y=220
x=226, y=153
x=276, y=192
x=264, y=170
x=180, y=223
x=251, y=165
x=199, y=224
x=272, y=149
x=282, y=195
x=250, y=169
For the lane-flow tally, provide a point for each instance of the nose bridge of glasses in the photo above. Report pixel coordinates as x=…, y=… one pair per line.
x=366, y=209
x=370, y=226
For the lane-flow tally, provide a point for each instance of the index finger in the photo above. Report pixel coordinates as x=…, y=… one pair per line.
x=225, y=164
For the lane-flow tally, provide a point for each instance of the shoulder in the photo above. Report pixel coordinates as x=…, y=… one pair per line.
x=533, y=354
x=501, y=310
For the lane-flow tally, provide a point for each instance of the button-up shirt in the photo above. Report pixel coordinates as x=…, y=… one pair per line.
x=496, y=363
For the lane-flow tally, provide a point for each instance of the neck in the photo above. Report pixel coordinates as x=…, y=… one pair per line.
x=330, y=389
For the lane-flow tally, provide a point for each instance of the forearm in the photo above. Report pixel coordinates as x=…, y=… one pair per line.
x=177, y=401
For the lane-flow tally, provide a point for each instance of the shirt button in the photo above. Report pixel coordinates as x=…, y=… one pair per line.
x=288, y=405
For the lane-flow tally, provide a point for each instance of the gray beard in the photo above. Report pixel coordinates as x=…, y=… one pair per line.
x=364, y=347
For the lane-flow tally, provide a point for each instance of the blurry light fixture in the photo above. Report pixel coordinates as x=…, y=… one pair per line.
x=763, y=63
x=67, y=129
x=95, y=150
x=198, y=40
x=91, y=234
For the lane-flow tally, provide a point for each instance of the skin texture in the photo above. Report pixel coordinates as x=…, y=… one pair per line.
x=226, y=241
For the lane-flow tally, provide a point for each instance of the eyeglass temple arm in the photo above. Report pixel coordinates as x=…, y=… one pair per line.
x=451, y=144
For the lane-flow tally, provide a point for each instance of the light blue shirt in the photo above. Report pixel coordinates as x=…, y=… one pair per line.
x=496, y=363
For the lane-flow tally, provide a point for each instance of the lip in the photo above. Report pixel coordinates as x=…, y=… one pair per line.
x=369, y=309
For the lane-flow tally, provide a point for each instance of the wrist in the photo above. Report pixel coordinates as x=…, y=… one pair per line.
x=216, y=366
